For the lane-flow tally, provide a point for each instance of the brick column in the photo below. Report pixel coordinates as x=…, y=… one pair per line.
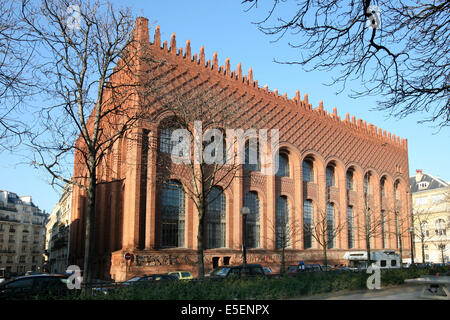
x=132, y=192
x=150, y=211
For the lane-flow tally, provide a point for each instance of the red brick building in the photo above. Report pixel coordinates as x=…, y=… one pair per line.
x=333, y=164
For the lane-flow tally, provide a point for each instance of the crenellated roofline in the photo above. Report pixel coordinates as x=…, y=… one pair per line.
x=141, y=33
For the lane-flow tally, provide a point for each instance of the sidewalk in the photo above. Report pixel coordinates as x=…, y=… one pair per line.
x=401, y=292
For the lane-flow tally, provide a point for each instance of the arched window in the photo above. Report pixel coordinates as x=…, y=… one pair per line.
x=330, y=225
x=330, y=176
x=252, y=161
x=251, y=201
x=282, y=223
x=308, y=214
x=350, y=228
x=349, y=179
x=283, y=165
x=216, y=219
x=172, y=214
x=308, y=170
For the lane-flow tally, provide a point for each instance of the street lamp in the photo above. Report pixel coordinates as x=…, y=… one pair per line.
x=244, y=212
x=411, y=231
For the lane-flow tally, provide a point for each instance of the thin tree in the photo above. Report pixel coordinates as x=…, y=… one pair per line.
x=87, y=70
x=324, y=229
x=397, y=49
x=372, y=227
x=421, y=219
x=284, y=232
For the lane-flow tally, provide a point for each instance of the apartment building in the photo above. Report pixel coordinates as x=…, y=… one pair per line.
x=22, y=234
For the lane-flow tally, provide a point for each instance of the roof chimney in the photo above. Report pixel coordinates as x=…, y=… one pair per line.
x=419, y=175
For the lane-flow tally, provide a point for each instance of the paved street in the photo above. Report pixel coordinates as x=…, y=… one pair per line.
x=402, y=292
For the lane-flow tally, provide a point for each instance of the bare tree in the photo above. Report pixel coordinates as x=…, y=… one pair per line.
x=374, y=225
x=88, y=72
x=421, y=220
x=204, y=155
x=14, y=83
x=284, y=232
x=397, y=49
x=324, y=230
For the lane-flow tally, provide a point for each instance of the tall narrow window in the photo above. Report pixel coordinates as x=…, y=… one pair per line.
x=382, y=187
x=350, y=229
x=367, y=183
x=308, y=213
x=283, y=165
x=252, y=161
x=251, y=201
x=330, y=176
x=216, y=219
x=330, y=225
x=383, y=228
x=349, y=180
x=307, y=168
x=172, y=214
x=282, y=223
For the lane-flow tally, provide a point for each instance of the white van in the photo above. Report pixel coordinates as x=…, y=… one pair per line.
x=385, y=259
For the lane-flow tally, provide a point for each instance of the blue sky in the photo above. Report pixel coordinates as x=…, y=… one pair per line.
x=225, y=27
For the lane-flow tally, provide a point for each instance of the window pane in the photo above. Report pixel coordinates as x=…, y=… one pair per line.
x=350, y=230
x=330, y=225
x=251, y=201
x=252, y=161
x=349, y=180
x=330, y=176
x=282, y=223
x=172, y=215
x=283, y=165
x=216, y=219
x=307, y=168
x=308, y=223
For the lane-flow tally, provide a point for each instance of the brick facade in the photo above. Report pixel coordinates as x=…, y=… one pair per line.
x=128, y=215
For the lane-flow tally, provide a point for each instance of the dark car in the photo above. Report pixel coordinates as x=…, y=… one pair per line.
x=311, y=268
x=292, y=270
x=249, y=270
x=29, y=287
x=151, y=277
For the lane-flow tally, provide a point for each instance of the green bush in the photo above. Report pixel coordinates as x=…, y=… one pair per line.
x=260, y=288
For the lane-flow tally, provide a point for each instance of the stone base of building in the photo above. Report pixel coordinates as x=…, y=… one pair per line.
x=166, y=260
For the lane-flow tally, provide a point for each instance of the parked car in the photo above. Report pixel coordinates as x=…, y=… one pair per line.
x=26, y=287
x=150, y=277
x=311, y=268
x=240, y=271
x=327, y=267
x=181, y=275
x=292, y=270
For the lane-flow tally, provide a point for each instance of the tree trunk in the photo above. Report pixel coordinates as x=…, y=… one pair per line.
x=90, y=224
x=200, y=239
x=324, y=248
x=423, y=251
x=400, y=248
